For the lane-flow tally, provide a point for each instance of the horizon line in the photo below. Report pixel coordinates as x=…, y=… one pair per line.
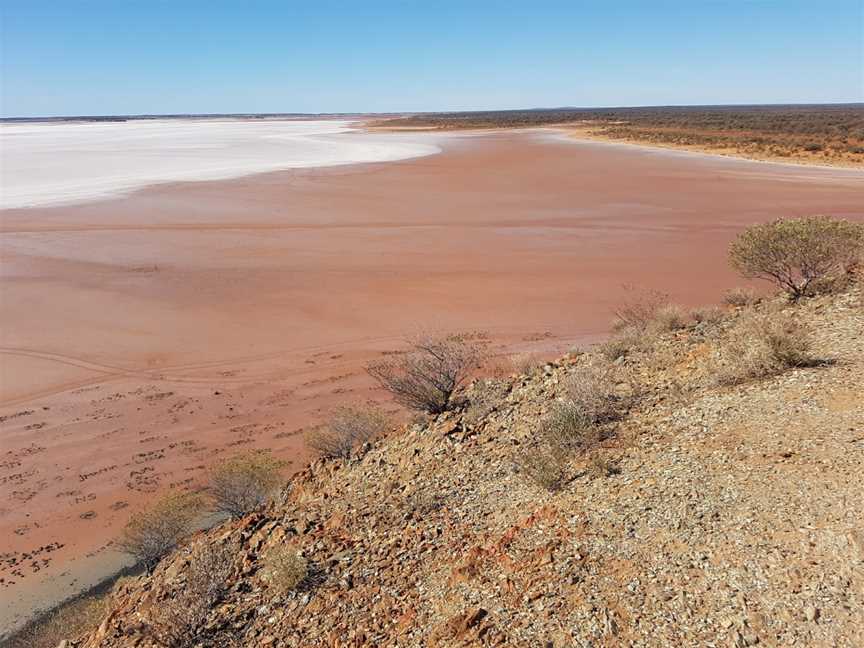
x=133, y=116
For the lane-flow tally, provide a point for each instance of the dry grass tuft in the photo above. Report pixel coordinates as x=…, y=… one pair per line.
x=482, y=401
x=763, y=345
x=591, y=389
x=542, y=467
x=707, y=314
x=740, y=297
x=525, y=363
x=568, y=429
x=601, y=466
x=625, y=342
x=639, y=310
x=285, y=569
x=668, y=317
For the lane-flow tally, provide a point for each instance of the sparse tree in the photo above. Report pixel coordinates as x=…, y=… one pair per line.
x=793, y=253
x=348, y=427
x=427, y=377
x=154, y=532
x=242, y=483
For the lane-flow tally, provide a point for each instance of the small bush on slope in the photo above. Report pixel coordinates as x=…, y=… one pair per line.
x=639, y=309
x=591, y=390
x=176, y=622
x=284, y=569
x=707, y=314
x=641, y=317
x=762, y=345
x=154, y=532
x=669, y=317
x=428, y=376
x=542, y=466
x=242, y=483
x=796, y=252
x=740, y=297
x=348, y=428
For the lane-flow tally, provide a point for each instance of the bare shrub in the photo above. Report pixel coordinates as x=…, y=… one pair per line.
x=795, y=252
x=740, y=297
x=244, y=482
x=177, y=622
x=525, y=363
x=427, y=377
x=348, y=428
x=568, y=429
x=764, y=345
x=543, y=467
x=154, y=532
x=637, y=312
x=591, y=389
x=644, y=315
x=284, y=569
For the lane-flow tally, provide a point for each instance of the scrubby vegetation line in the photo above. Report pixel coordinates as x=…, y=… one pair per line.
x=821, y=133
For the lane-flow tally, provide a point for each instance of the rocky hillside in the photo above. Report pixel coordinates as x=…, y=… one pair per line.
x=707, y=515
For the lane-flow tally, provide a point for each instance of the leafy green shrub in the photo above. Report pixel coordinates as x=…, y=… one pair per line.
x=793, y=253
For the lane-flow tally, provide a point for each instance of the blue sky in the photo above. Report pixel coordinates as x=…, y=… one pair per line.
x=184, y=56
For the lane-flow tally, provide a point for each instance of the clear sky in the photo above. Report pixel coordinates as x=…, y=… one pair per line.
x=95, y=57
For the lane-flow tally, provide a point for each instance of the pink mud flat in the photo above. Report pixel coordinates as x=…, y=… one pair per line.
x=145, y=335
